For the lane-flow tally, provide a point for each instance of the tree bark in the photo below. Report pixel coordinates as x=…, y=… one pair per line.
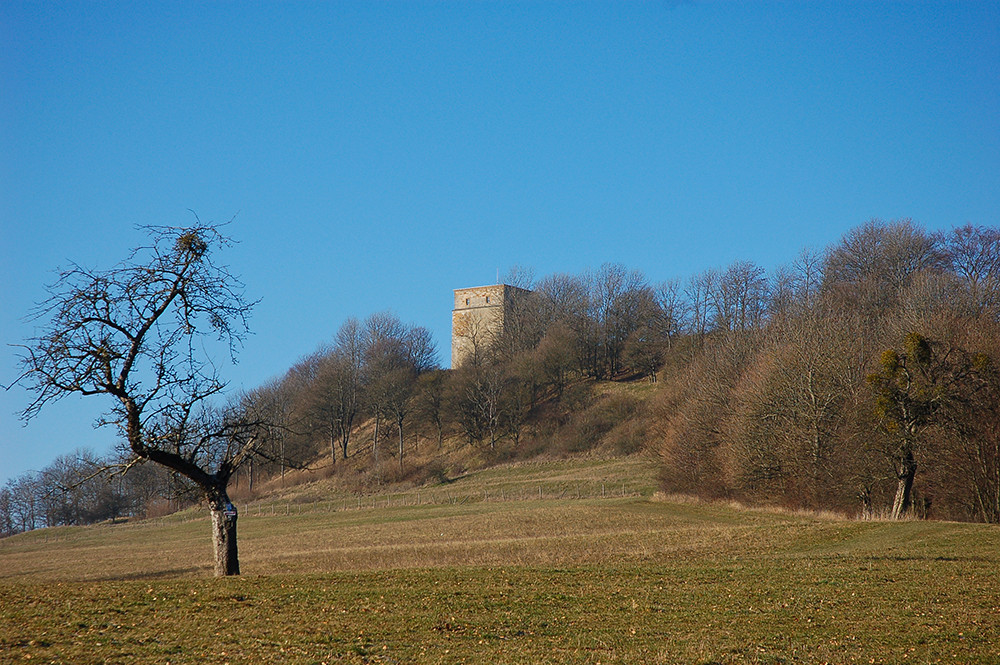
x=224, y=518
x=905, y=471
x=399, y=424
x=345, y=436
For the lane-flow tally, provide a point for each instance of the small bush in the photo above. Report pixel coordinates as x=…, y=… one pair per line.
x=628, y=438
x=587, y=429
x=435, y=472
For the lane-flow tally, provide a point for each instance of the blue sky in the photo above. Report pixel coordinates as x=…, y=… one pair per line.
x=377, y=155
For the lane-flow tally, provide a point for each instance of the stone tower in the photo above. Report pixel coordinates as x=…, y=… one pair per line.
x=478, y=319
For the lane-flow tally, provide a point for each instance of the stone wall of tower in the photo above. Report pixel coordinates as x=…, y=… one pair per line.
x=475, y=322
x=478, y=318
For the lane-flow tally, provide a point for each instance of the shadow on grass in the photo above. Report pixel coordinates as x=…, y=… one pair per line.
x=909, y=558
x=155, y=574
x=946, y=559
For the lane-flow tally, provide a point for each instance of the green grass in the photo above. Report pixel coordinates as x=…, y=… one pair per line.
x=603, y=579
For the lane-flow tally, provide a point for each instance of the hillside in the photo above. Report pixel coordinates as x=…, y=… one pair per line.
x=862, y=379
x=592, y=422
x=482, y=569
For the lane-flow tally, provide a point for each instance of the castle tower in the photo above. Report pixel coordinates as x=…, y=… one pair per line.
x=478, y=319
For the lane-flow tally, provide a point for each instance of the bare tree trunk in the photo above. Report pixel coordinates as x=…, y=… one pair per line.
x=345, y=437
x=375, y=448
x=906, y=470
x=399, y=423
x=224, y=537
x=995, y=489
x=865, y=494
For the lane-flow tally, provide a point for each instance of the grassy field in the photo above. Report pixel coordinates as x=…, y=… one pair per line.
x=533, y=563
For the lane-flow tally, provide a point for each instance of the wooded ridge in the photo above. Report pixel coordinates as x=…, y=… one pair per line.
x=861, y=379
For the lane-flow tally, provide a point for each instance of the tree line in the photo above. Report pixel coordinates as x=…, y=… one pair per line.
x=860, y=378
x=563, y=328
x=866, y=380
x=857, y=378
x=84, y=488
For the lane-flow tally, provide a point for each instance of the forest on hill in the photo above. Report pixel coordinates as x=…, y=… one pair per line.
x=861, y=378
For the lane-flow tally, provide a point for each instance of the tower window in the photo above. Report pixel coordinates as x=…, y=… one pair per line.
x=466, y=301
x=487, y=300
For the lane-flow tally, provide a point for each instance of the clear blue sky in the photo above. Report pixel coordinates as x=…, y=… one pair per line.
x=378, y=155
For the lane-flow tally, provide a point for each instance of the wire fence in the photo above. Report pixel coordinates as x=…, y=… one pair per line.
x=436, y=496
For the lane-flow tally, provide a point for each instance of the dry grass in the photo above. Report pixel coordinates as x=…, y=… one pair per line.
x=829, y=515
x=518, y=580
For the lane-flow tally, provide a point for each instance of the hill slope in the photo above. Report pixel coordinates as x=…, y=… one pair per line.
x=482, y=570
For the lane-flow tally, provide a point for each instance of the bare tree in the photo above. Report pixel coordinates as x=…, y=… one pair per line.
x=350, y=350
x=740, y=297
x=562, y=298
x=25, y=493
x=523, y=277
x=477, y=399
x=561, y=302
x=807, y=271
x=793, y=439
x=671, y=310
x=621, y=302
x=6, y=512
x=137, y=334
x=973, y=255
x=395, y=355
x=419, y=355
x=976, y=421
x=643, y=352
x=329, y=399
x=781, y=293
x=328, y=388
x=699, y=293
x=873, y=263
x=283, y=445
x=430, y=401
x=382, y=350
x=556, y=356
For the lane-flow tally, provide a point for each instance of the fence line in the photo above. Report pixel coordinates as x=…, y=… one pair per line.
x=438, y=497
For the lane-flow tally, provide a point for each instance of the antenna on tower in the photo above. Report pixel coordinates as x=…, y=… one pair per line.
x=498, y=275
